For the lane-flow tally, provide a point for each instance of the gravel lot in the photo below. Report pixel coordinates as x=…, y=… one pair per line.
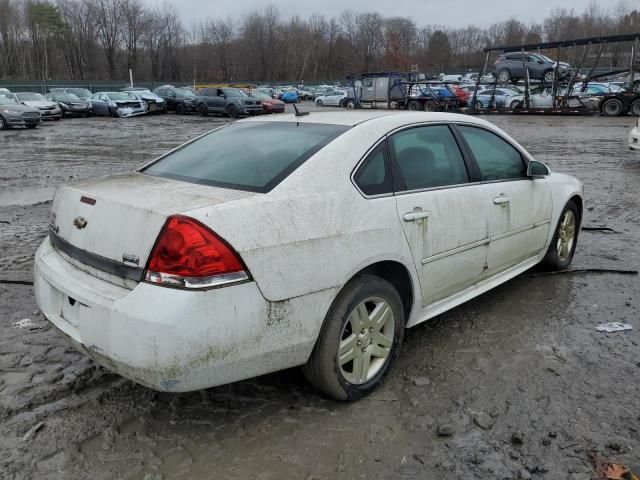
x=518, y=379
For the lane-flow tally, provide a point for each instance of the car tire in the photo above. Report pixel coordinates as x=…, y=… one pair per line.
x=357, y=376
x=180, y=110
x=3, y=123
x=32, y=126
x=515, y=105
x=414, y=106
x=57, y=118
x=547, y=76
x=612, y=107
x=504, y=76
x=203, y=110
x=319, y=103
x=430, y=106
x=565, y=239
x=478, y=105
x=232, y=111
x=635, y=108
x=351, y=105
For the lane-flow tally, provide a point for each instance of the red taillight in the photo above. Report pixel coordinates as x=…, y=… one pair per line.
x=187, y=254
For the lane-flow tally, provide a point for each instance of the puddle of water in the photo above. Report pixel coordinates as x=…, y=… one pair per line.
x=29, y=196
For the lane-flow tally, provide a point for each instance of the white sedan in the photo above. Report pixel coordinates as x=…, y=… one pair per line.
x=298, y=240
x=333, y=98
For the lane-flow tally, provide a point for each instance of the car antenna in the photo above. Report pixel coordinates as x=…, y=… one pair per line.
x=298, y=112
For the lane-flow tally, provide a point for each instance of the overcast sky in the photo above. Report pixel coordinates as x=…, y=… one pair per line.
x=450, y=13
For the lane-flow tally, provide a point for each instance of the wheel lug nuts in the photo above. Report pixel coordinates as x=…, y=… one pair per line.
x=370, y=329
x=359, y=342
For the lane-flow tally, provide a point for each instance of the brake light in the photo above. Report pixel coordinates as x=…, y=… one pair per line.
x=187, y=254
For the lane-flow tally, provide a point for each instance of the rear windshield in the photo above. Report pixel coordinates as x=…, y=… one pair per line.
x=253, y=156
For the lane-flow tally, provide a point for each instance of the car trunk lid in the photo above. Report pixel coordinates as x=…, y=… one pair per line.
x=112, y=223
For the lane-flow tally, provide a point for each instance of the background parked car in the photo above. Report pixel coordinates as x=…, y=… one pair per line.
x=509, y=67
x=227, y=101
x=179, y=99
x=502, y=98
x=290, y=96
x=48, y=109
x=269, y=105
x=332, y=98
x=70, y=104
x=82, y=93
x=117, y=104
x=12, y=114
x=155, y=103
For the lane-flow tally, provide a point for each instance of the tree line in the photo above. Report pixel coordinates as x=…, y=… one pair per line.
x=103, y=39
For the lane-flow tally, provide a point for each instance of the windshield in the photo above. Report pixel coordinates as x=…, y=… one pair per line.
x=260, y=95
x=125, y=96
x=65, y=97
x=184, y=93
x=81, y=92
x=30, y=97
x=253, y=156
x=7, y=100
x=233, y=92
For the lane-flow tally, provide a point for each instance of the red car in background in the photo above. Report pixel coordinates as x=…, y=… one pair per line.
x=461, y=93
x=269, y=105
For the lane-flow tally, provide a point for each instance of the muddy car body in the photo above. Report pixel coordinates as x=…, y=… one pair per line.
x=118, y=104
x=216, y=263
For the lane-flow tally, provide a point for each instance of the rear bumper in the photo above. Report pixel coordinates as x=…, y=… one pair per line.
x=168, y=339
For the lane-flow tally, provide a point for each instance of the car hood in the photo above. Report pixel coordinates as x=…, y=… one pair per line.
x=40, y=103
x=19, y=108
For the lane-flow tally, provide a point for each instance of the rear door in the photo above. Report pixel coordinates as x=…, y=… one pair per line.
x=520, y=207
x=445, y=217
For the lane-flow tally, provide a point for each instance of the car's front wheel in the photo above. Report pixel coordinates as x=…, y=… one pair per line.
x=319, y=103
x=361, y=336
x=232, y=111
x=565, y=238
x=504, y=76
x=548, y=76
x=3, y=123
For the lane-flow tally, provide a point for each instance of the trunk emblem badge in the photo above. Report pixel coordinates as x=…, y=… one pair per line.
x=80, y=222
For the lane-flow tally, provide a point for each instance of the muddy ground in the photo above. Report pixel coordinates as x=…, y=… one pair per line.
x=525, y=385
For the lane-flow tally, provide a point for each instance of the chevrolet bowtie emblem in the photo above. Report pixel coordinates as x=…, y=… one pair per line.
x=80, y=222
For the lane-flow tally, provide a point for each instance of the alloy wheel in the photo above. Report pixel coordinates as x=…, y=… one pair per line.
x=566, y=235
x=548, y=77
x=366, y=340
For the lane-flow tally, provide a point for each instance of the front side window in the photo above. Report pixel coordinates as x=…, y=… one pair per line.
x=374, y=176
x=253, y=156
x=496, y=158
x=427, y=157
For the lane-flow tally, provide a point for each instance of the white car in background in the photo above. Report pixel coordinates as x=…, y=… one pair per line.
x=316, y=243
x=634, y=137
x=333, y=98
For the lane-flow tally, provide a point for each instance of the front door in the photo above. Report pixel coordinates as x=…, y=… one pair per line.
x=445, y=218
x=520, y=206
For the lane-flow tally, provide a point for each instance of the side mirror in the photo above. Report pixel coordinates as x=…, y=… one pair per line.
x=537, y=169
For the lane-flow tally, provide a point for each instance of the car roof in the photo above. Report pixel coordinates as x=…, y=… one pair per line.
x=351, y=118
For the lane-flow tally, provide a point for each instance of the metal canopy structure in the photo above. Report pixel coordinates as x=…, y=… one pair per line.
x=561, y=104
x=567, y=43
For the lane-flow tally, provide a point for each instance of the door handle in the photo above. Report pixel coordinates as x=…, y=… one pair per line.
x=413, y=216
x=501, y=201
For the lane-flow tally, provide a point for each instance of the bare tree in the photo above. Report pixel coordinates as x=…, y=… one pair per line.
x=109, y=18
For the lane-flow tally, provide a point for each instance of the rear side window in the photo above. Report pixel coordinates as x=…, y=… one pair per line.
x=496, y=158
x=374, y=176
x=427, y=157
x=253, y=156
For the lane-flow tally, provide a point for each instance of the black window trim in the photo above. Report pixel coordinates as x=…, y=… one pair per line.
x=363, y=161
x=523, y=156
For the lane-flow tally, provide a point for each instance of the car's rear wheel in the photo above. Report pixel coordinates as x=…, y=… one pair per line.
x=514, y=105
x=430, y=106
x=361, y=336
x=504, y=75
x=565, y=238
x=635, y=108
x=548, y=76
x=612, y=107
